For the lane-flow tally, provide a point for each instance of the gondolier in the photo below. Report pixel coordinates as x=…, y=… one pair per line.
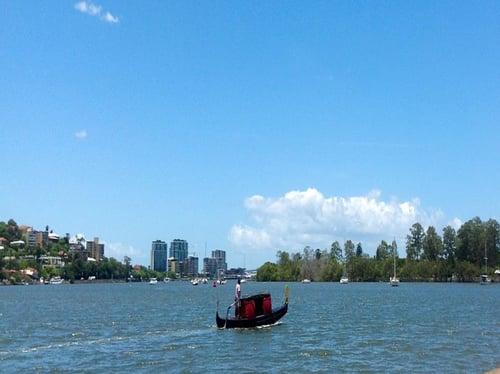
x=237, y=296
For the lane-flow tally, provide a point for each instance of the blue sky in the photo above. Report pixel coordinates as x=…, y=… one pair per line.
x=249, y=127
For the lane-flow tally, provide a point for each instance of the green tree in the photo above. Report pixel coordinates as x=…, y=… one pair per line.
x=470, y=246
x=414, y=242
x=359, y=250
x=432, y=245
x=336, y=251
x=492, y=241
x=449, y=243
x=13, y=228
x=289, y=269
x=267, y=272
x=382, y=252
x=349, y=251
x=4, y=231
x=307, y=269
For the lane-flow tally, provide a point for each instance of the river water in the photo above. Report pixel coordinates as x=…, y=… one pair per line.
x=329, y=328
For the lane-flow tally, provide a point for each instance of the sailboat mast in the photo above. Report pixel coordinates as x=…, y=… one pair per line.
x=485, y=259
x=394, y=255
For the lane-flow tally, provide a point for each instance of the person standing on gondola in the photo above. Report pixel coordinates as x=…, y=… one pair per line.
x=237, y=296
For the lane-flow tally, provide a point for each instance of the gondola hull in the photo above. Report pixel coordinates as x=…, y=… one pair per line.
x=262, y=320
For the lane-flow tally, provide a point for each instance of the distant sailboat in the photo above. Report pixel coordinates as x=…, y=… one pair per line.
x=485, y=279
x=344, y=279
x=394, y=280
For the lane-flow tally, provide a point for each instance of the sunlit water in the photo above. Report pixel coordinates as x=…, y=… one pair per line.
x=329, y=328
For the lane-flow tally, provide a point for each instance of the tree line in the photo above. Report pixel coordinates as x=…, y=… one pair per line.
x=455, y=255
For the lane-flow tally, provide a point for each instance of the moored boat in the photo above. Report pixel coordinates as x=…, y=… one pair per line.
x=485, y=279
x=253, y=311
x=394, y=280
x=56, y=280
x=344, y=279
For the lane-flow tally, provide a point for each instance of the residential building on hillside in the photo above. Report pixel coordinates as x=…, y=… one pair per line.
x=95, y=250
x=159, y=255
x=35, y=238
x=78, y=250
x=51, y=261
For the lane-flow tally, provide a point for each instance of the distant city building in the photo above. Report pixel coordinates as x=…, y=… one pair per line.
x=179, y=251
x=95, y=250
x=220, y=257
x=210, y=266
x=159, y=256
x=215, y=266
x=192, y=266
x=173, y=265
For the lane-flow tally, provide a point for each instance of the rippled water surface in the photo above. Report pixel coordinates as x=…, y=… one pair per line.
x=329, y=328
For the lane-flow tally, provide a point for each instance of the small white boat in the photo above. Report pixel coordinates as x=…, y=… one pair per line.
x=394, y=282
x=166, y=280
x=56, y=280
x=153, y=281
x=306, y=281
x=194, y=282
x=485, y=279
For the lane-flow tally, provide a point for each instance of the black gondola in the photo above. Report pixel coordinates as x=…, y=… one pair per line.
x=255, y=310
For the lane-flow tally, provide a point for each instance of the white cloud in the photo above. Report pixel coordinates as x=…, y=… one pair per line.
x=456, y=223
x=118, y=251
x=95, y=10
x=308, y=218
x=108, y=17
x=82, y=134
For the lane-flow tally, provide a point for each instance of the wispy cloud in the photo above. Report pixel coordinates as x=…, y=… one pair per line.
x=119, y=250
x=108, y=17
x=308, y=218
x=82, y=134
x=94, y=10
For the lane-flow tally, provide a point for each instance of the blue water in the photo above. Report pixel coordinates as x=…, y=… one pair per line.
x=329, y=328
